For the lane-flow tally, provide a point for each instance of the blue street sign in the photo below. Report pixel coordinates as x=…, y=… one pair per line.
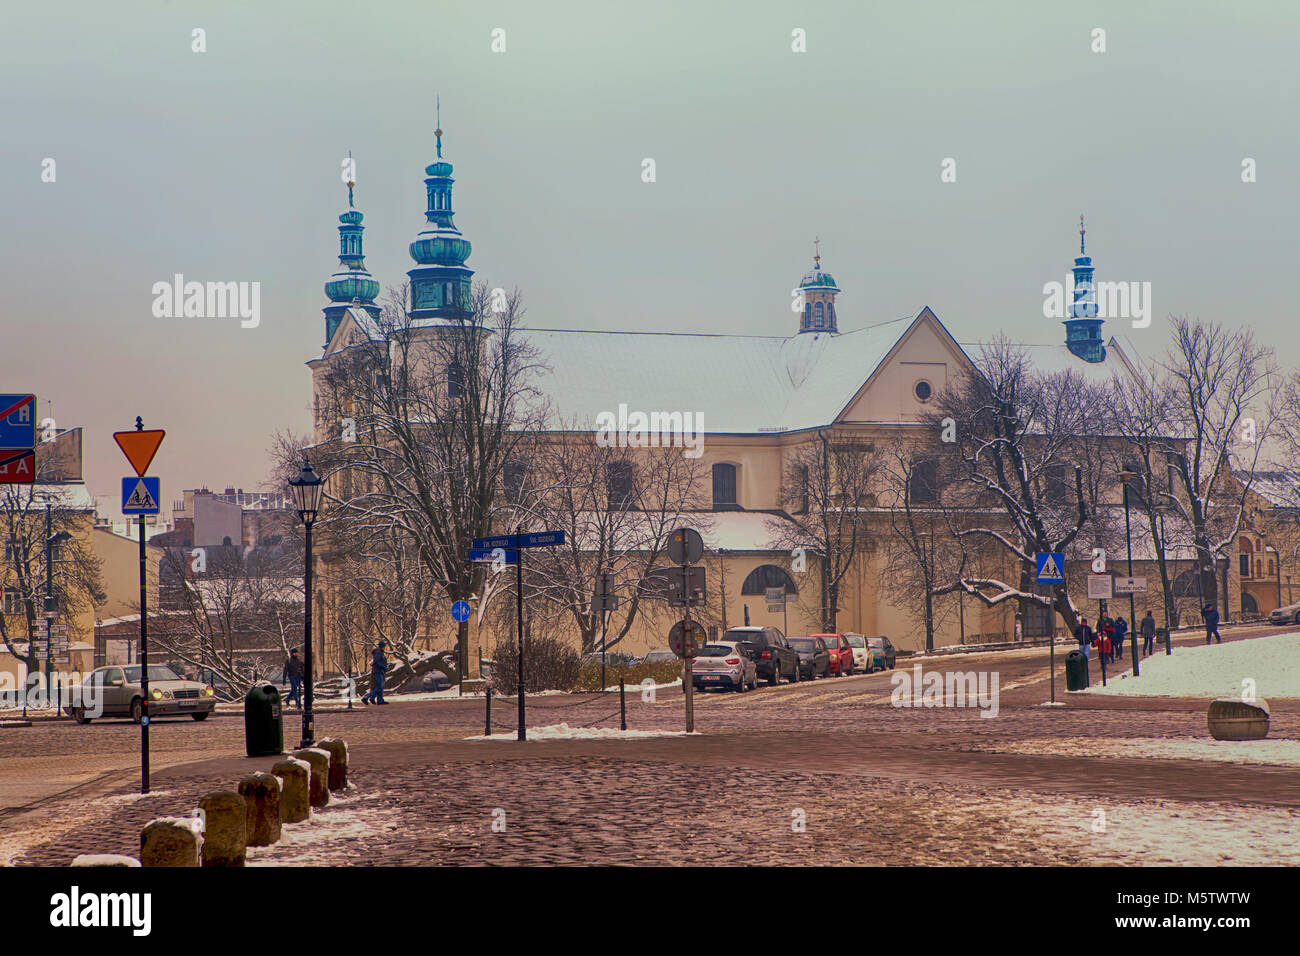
x=140, y=495
x=490, y=554
x=541, y=539
x=503, y=541
x=17, y=421
x=1051, y=567
x=460, y=611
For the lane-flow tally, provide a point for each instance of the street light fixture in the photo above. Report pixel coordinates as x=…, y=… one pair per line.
x=305, y=491
x=1125, y=476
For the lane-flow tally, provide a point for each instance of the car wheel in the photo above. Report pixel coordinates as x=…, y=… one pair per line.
x=775, y=678
x=137, y=710
x=79, y=715
x=1296, y=619
x=797, y=676
x=203, y=716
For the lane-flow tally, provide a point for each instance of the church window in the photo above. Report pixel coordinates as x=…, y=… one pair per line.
x=768, y=576
x=923, y=482
x=724, y=486
x=819, y=318
x=807, y=315
x=620, y=482
x=830, y=314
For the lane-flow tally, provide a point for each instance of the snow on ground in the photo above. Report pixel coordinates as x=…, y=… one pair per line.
x=1216, y=670
x=1277, y=753
x=565, y=732
x=330, y=835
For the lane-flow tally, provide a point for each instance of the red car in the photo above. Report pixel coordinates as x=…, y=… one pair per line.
x=841, y=653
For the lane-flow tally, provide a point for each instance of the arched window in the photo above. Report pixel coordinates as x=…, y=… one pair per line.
x=1248, y=603
x=620, y=482
x=447, y=294
x=830, y=314
x=724, y=486
x=819, y=317
x=923, y=482
x=768, y=576
x=807, y=315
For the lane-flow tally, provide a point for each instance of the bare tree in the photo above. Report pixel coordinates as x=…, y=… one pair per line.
x=826, y=486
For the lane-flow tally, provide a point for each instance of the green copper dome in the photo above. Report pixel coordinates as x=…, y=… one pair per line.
x=815, y=278
x=349, y=286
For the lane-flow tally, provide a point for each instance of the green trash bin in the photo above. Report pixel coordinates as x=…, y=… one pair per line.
x=1076, y=671
x=263, y=725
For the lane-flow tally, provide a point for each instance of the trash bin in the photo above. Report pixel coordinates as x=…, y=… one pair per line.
x=263, y=725
x=1076, y=671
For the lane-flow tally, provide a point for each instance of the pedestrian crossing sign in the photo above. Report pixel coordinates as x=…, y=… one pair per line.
x=140, y=495
x=1051, y=565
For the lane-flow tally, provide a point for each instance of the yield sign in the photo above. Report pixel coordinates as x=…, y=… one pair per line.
x=140, y=447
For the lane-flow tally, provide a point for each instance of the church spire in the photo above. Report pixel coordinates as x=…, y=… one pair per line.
x=1083, y=327
x=352, y=284
x=440, y=282
x=817, y=291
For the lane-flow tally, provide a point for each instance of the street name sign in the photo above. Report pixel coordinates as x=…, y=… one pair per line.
x=489, y=555
x=1130, y=585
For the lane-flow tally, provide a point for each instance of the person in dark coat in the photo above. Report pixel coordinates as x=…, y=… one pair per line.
x=1211, y=615
x=1085, y=636
x=294, y=670
x=1148, y=632
x=1121, y=632
x=378, y=668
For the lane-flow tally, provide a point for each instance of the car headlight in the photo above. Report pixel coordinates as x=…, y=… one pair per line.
x=210, y=691
x=157, y=694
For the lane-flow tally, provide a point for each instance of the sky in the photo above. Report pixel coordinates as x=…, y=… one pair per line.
x=225, y=165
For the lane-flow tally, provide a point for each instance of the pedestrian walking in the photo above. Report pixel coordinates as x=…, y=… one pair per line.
x=295, y=672
x=378, y=668
x=1148, y=632
x=1121, y=632
x=1211, y=615
x=1085, y=636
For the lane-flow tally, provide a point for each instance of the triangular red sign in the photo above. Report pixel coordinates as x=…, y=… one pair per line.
x=140, y=447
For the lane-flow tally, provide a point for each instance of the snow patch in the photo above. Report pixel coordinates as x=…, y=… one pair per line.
x=1216, y=670
x=565, y=732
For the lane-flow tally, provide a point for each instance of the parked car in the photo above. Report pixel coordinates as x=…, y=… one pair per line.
x=1285, y=615
x=771, y=651
x=724, y=664
x=434, y=681
x=814, y=658
x=612, y=659
x=119, y=693
x=841, y=653
x=883, y=655
x=663, y=656
x=861, y=656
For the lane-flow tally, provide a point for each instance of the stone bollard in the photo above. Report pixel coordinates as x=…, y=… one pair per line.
x=105, y=859
x=295, y=795
x=338, y=752
x=319, y=785
x=171, y=841
x=261, y=793
x=225, y=834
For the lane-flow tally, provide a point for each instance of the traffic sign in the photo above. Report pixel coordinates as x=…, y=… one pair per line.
x=1051, y=567
x=1130, y=585
x=140, y=496
x=606, y=599
x=489, y=555
x=677, y=639
x=17, y=421
x=685, y=581
x=1099, y=587
x=17, y=466
x=775, y=598
x=685, y=546
x=460, y=611
x=140, y=447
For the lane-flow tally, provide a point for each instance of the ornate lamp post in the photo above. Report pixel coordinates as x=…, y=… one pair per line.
x=305, y=491
x=1125, y=475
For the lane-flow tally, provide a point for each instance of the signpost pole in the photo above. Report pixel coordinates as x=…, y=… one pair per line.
x=519, y=620
x=49, y=602
x=144, y=668
x=688, y=680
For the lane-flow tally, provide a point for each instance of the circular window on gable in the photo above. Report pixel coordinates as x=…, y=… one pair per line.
x=922, y=391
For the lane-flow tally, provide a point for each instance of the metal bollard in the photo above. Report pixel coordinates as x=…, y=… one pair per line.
x=487, y=715
x=622, y=704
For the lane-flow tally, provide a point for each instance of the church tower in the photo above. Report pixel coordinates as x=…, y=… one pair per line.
x=440, y=282
x=1083, y=327
x=817, y=291
x=352, y=284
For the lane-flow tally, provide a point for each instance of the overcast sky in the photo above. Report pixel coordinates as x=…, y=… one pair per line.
x=224, y=166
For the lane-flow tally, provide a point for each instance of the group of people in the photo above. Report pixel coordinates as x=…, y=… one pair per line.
x=1108, y=638
x=296, y=672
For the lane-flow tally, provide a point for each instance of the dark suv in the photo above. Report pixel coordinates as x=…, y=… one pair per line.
x=772, y=653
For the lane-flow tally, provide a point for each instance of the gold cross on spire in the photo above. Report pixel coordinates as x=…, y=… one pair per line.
x=351, y=182
x=1081, y=232
x=817, y=250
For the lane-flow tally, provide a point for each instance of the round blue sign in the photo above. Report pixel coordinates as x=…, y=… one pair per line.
x=460, y=611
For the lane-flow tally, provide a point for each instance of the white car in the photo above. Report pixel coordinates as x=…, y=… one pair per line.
x=1285, y=615
x=724, y=664
x=861, y=656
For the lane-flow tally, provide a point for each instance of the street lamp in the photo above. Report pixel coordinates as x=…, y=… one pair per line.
x=305, y=491
x=1125, y=475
